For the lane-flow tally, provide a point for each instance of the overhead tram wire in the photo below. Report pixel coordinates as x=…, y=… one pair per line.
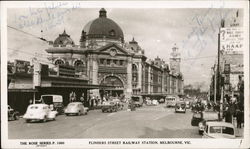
x=33, y=54
x=30, y=54
x=40, y=38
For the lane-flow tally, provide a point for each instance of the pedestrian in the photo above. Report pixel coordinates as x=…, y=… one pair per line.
x=239, y=118
x=82, y=98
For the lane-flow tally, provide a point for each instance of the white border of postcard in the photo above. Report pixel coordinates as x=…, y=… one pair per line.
x=84, y=143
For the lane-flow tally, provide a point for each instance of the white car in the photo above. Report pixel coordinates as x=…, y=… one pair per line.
x=219, y=130
x=155, y=102
x=40, y=112
x=208, y=116
x=76, y=108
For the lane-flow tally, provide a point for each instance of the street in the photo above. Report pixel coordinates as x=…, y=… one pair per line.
x=145, y=122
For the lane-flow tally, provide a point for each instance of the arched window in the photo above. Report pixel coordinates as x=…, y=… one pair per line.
x=78, y=63
x=59, y=62
x=134, y=75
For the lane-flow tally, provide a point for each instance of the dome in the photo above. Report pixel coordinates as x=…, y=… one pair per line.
x=103, y=27
x=63, y=40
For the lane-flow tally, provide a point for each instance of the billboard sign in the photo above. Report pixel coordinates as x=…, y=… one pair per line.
x=231, y=39
x=22, y=66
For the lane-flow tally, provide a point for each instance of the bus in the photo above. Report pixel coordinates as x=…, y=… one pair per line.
x=171, y=101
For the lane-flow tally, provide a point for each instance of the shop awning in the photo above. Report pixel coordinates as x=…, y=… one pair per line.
x=23, y=90
x=77, y=85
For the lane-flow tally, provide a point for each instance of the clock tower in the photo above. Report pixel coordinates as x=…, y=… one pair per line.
x=175, y=60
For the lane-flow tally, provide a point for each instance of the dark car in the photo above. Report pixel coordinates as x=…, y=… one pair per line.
x=180, y=107
x=12, y=114
x=197, y=117
x=138, y=101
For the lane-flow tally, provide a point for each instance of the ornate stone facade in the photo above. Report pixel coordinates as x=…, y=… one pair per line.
x=104, y=58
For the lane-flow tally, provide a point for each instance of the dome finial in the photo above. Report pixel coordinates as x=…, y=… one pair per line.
x=102, y=13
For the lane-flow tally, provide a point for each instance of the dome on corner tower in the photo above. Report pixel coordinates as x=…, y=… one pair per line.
x=103, y=27
x=63, y=40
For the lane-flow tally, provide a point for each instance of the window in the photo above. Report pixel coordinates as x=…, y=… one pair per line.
x=108, y=62
x=215, y=129
x=121, y=62
x=59, y=62
x=228, y=130
x=78, y=63
x=102, y=61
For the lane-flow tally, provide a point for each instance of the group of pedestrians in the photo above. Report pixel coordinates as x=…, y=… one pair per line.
x=232, y=111
x=90, y=102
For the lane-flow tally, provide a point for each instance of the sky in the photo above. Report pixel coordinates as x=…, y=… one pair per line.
x=194, y=31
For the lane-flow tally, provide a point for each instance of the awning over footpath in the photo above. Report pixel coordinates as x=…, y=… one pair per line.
x=62, y=84
x=23, y=90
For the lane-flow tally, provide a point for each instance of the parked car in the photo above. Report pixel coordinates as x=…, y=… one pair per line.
x=197, y=117
x=40, y=112
x=180, y=107
x=75, y=108
x=208, y=116
x=12, y=114
x=219, y=130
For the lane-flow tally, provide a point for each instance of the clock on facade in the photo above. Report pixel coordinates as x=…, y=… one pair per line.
x=113, y=52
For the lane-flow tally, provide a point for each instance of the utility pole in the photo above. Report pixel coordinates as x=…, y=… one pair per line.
x=218, y=73
x=215, y=83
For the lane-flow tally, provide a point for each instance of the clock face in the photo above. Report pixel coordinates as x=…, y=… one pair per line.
x=113, y=52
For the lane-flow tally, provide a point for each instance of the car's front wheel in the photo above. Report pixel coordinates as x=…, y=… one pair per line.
x=27, y=120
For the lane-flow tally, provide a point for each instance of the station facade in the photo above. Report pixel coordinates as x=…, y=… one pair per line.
x=106, y=59
x=101, y=64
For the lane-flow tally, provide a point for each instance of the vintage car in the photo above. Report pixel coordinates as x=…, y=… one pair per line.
x=110, y=106
x=171, y=101
x=12, y=114
x=75, y=108
x=138, y=101
x=208, y=116
x=219, y=130
x=162, y=100
x=180, y=106
x=197, y=117
x=40, y=112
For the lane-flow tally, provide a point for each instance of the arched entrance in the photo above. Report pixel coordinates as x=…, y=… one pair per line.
x=114, y=81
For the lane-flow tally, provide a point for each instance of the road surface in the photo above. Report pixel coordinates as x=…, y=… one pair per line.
x=145, y=122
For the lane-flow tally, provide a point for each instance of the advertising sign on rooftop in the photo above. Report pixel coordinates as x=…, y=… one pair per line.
x=231, y=39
